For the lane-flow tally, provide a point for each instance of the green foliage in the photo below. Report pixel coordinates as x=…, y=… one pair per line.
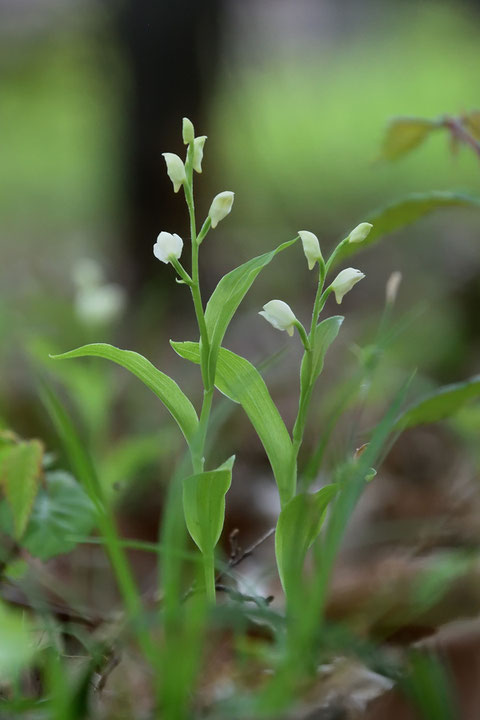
x=239, y=380
x=404, y=134
x=163, y=386
x=325, y=334
x=20, y=472
x=439, y=404
x=204, y=504
x=427, y=683
x=17, y=647
x=298, y=526
x=402, y=213
x=50, y=518
x=228, y=295
x=61, y=509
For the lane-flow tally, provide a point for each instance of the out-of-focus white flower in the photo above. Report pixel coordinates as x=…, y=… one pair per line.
x=175, y=170
x=100, y=305
x=220, y=207
x=280, y=315
x=345, y=281
x=311, y=247
x=188, y=131
x=198, y=144
x=87, y=272
x=168, y=245
x=391, y=288
x=359, y=233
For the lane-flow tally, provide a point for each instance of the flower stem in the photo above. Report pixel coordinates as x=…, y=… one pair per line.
x=335, y=254
x=209, y=574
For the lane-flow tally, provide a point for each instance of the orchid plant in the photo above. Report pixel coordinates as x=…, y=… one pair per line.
x=204, y=490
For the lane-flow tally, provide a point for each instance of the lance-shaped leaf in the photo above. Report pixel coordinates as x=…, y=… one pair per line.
x=228, y=295
x=239, y=380
x=439, y=404
x=405, y=134
x=204, y=504
x=20, y=470
x=162, y=385
x=404, y=212
x=298, y=526
x=325, y=334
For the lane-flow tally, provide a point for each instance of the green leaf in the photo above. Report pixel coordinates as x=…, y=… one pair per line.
x=404, y=134
x=204, y=504
x=439, y=404
x=325, y=334
x=17, y=645
x=239, y=380
x=228, y=295
x=20, y=470
x=61, y=509
x=472, y=123
x=162, y=385
x=402, y=213
x=298, y=526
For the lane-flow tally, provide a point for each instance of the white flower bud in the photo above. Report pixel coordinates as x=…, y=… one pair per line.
x=198, y=144
x=280, y=315
x=391, y=288
x=345, y=281
x=311, y=247
x=188, y=131
x=175, y=170
x=359, y=233
x=220, y=207
x=168, y=246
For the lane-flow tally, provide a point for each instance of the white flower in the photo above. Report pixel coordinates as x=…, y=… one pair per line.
x=175, y=170
x=344, y=282
x=99, y=305
x=198, y=144
x=280, y=315
x=220, y=207
x=168, y=246
x=311, y=247
x=359, y=233
x=188, y=131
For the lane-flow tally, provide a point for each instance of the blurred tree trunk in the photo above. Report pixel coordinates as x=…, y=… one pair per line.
x=170, y=51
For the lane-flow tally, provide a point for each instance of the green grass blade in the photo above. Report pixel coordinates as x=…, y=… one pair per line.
x=84, y=471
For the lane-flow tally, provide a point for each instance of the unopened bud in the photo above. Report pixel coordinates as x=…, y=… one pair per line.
x=359, y=233
x=220, y=207
x=175, y=170
x=311, y=247
x=188, y=131
x=198, y=144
